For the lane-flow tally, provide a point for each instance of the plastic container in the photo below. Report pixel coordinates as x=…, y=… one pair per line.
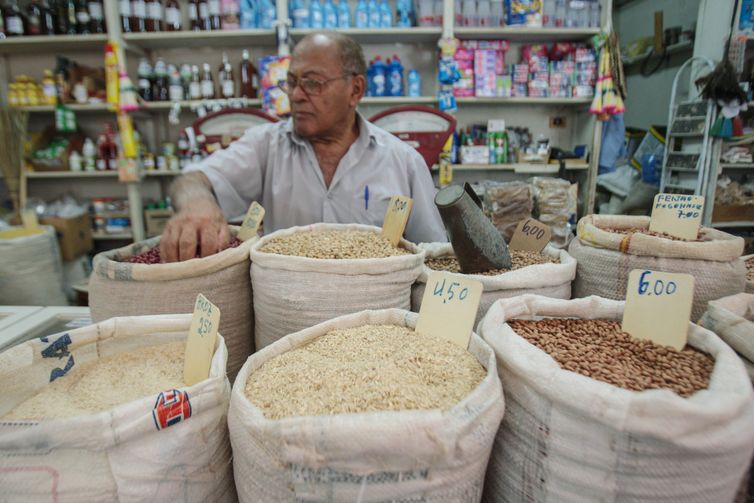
x=403, y=13
x=266, y=14
x=362, y=14
x=414, y=83
x=331, y=15
x=395, y=73
x=379, y=78
x=386, y=15
x=344, y=14
x=484, y=13
x=316, y=14
x=373, y=14
x=426, y=13
x=469, y=11
x=300, y=14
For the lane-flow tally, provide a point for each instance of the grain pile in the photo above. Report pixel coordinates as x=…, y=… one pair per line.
x=333, y=244
x=152, y=256
x=601, y=350
x=750, y=269
x=365, y=369
x=105, y=383
x=519, y=260
x=664, y=235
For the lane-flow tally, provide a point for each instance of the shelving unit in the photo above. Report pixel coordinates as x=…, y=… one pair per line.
x=523, y=100
x=522, y=34
x=71, y=174
x=192, y=39
x=52, y=43
x=413, y=35
x=91, y=107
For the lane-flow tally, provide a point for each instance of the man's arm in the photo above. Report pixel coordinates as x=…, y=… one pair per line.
x=424, y=224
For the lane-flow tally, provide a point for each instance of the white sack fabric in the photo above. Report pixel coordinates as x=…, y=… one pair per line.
x=172, y=446
x=606, y=258
x=566, y=437
x=292, y=293
x=433, y=456
x=749, y=282
x=550, y=280
x=118, y=288
x=732, y=319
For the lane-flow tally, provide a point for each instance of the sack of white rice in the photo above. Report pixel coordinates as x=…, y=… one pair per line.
x=362, y=408
x=595, y=415
x=732, y=319
x=549, y=273
x=131, y=281
x=305, y=275
x=31, y=270
x=101, y=414
x=609, y=247
x=749, y=261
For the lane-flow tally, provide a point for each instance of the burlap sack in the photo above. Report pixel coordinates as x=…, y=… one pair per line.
x=606, y=258
x=118, y=288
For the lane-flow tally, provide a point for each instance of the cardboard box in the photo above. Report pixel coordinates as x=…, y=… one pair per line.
x=74, y=235
x=155, y=221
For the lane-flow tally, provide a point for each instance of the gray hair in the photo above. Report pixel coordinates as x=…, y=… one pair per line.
x=351, y=55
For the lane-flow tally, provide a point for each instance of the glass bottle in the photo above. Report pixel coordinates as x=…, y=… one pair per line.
x=204, y=20
x=226, y=78
x=172, y=16
x=124, y=6
x=138, y=16
x=154, y=16
x=15, y=25
x=193, y=11
x=208, y=85
x=144, y=84
x=96, y=16
x=195, y=85
x=161, y=90
x=34, y=18
x=72, y=20
x=215, y=14
x=248, y=76
x=83, y=20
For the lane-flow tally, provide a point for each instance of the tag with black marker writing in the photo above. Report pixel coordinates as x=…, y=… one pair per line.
x=449, y=307
x=251, y=222
x=396, y=218
x=658, y=306
x=530, y=235
x=679, y=215
x=200, y=345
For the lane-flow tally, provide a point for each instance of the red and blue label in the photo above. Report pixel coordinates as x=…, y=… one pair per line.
x=171, y=407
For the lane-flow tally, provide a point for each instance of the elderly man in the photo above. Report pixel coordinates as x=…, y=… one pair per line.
x=325, y=164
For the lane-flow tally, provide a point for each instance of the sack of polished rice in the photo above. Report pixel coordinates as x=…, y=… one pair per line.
x=101, y=413
x=593, y=414
x=305, y=275
x=609, y=247
x=131, y=281
x=362, y=408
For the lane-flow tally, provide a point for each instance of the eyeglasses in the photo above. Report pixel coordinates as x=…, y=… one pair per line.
x=311, y=87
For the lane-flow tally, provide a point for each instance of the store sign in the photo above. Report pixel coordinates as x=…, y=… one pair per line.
x=251, y=222
x=449, y=307
x=658, y=307
x=201, y=341
x=396, y=218
x=679, y=215
x=530, y=235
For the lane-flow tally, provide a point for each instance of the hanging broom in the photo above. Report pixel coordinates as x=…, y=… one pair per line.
x=721, y=86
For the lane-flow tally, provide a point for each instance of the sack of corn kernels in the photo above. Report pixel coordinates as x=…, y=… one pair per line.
x=609, y=247
x=593, y=414
x=131, y=281
x=749, y=261
x=732, y=318
x=549, y=273
x=31, y=270
x=101, y=414
x=362, y=408
x=305, y=275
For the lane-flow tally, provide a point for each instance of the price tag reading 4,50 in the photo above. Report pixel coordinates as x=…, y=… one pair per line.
x=251, y=222
x=449, y=307
x=201, y=341
x=530, y=235
x=658, y=306
x=677, y=214
x=396, y=218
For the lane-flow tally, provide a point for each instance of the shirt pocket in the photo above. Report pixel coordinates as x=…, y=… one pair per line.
x=371, y=211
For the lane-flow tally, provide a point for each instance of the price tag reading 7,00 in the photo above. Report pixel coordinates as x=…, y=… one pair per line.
x=449, y=307
x=201, y=341
x=658, y=306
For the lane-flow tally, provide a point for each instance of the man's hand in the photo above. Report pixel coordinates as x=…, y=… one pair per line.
x=198, y=231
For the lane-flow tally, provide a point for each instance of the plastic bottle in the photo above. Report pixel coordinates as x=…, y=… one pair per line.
x=457, y=15
x=89, y=151
x=497, y=13
x=560, y=13
x=300, y=14
x=548, y=13
x=362, y=14
x=379, y=77
x=414, y=83
x=484, y=13
x=373, y=14
x=403, y=13
x=266, y=14
x=595, y=14
x=331, y=15
x=370, y=81
x=249, y=14
x=395, y=73
x=386, y=15
x=316, y=15
x=426, y=13
x=469, y=13
x=344, y=14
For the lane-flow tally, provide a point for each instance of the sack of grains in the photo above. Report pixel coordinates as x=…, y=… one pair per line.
x=31, y=270
x=130, y=281
x=609, y=247
x=306, y=275
x=549, y=273
x=749, y=262
x=101, y=414
x=620, y=435
x=323, y=415
x=732, y=318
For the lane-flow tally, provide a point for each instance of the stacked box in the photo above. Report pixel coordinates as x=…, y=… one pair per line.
x=520, y=74
x=561, y=79
x=484, y=72
x=465, y=60
x=585, y=72
x=539, y=80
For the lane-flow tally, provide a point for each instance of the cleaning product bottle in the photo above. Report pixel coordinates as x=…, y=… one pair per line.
x=316, y=16
x=395, y=72
x=370, y=83
x=300, y=14
x=331, y=15
x=344, y=14
x=362, y=14
x=484, y=13
x=379, y=77
x=414, y=83
x=266, y=14
x=373, y=14
x=386, y=15
x=403, y=12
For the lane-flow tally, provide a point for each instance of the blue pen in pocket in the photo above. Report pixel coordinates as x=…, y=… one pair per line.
x=366, y=197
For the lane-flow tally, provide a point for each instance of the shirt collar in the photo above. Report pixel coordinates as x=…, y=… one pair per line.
x=367, y=136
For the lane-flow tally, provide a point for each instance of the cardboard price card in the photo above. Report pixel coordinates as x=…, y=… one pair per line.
x=658, y=306
x=396, y=218
x=200, y=345
x=679, y=215
x=251, y=222
x=449, y=307
x=530, y=235
x=29, y=219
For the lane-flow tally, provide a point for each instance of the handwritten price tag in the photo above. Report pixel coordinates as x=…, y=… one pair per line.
x=449, y=307
x=658, y=306
x=201, y=341
x=396, y=218
x=677, y=214
x=251, y=222
x=530, y=235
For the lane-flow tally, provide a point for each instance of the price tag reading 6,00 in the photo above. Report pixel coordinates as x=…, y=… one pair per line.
x=658, y=306
x=201, y=341
x=449, y=307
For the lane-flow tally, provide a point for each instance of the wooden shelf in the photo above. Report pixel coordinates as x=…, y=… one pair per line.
x=524, y=34
x=383, y=35
x=52, y=44
x=523, y=100
x=76, y=107
x=192, y=39
x=72, y=174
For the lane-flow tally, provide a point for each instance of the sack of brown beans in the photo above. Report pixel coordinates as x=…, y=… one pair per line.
x=749, y=262
x=102, y=413
x=31, y=270
x=362, y=408
x=593, y=414
x=131, y=281
x=609, y=247
x=549, y=273
x=305, y=275
x=732, y=318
